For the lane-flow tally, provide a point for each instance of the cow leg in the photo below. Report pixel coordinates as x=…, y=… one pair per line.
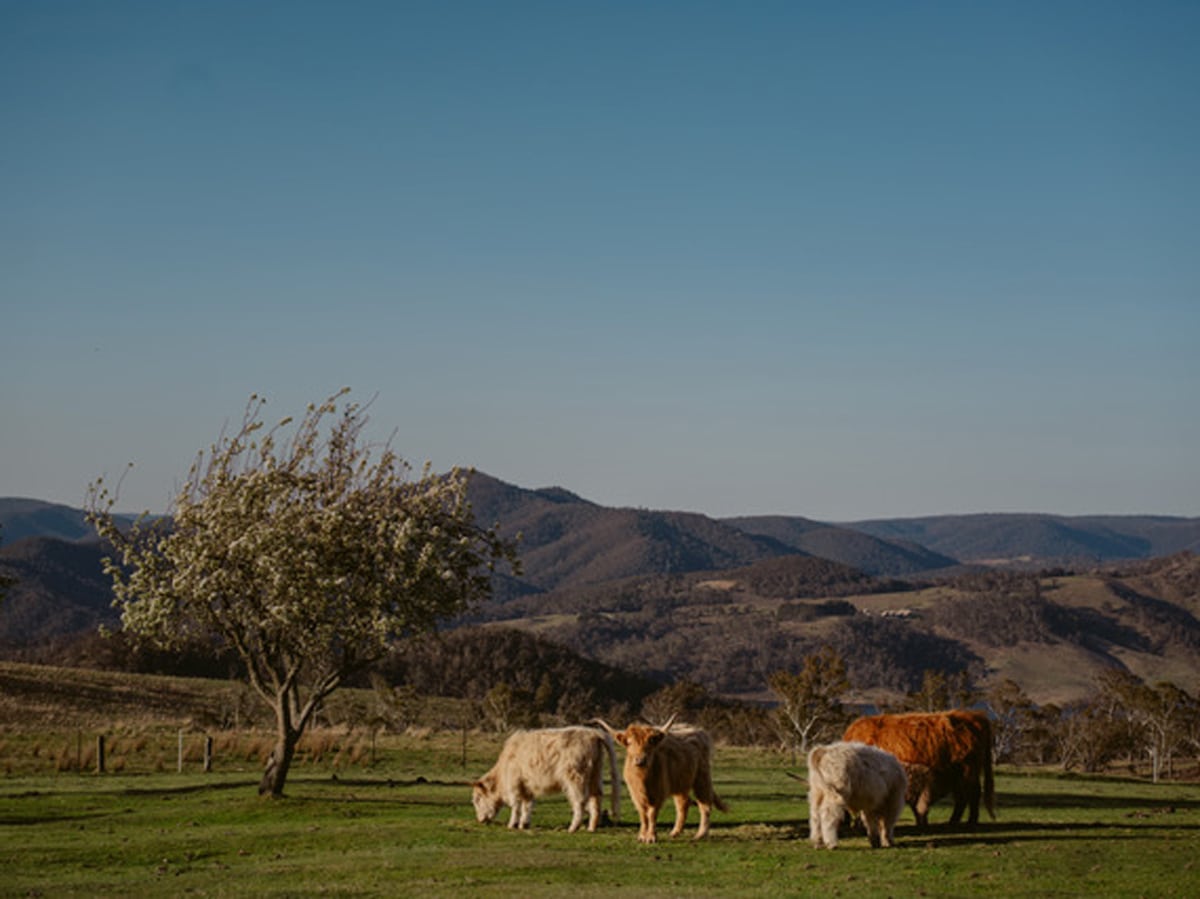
x=646, y=823
x=514, y=815
x=871, y=823
x=705, y=815
x=882, y=829
x=576, y=796
x=815, y=800
x=649, y=832
x=576, y=815
x=595, y=792
x=681, y=810
x=830, y=818
x=889, y=814
x=960, y=805
x=888, y=832
x=815, y=835
x=973, y=794
x=593, y=810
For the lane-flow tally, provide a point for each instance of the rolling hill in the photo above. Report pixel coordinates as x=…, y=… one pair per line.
x=1044, y=539
x=567, y=541
x=873, y=554
x=725, y=601
x=21, y=518
x=60, y=590
x=1053, y=634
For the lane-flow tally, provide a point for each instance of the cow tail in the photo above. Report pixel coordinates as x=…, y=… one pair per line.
x=616, y=781
x=989, y=784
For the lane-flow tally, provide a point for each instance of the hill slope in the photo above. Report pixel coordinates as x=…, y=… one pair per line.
x=729, y=630
x=867, y=552
x=21, y=518
x=725, y=602
x=568, y=541
x=1044, y=538
x=61, y=590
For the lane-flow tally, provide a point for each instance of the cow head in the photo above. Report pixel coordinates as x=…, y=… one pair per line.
x=486, y=799
x=640, y=740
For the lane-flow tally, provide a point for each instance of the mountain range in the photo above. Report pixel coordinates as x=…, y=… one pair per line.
x=639, y=570
x=569, y=542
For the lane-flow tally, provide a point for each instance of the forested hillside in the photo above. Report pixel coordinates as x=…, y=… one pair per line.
x=674, y=596
x=1053, y=633
x=59, y=589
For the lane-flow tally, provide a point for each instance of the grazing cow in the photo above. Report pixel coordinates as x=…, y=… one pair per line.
x=537, y=762
x=943, y=753
x=662, y=762
x=854, y=779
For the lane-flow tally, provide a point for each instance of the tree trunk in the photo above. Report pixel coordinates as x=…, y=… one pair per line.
x=279, y=762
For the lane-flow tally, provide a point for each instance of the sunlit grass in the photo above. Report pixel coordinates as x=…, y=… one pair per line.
x=404, y=826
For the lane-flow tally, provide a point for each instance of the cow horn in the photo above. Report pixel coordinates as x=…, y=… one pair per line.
x=608, y=727
x=666, y=727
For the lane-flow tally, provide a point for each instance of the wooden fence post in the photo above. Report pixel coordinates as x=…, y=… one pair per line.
x=208, y=744
x=180, y=750
x=100, y=754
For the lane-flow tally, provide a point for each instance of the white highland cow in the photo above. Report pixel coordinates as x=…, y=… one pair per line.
x=856, y=778
x=536, y=762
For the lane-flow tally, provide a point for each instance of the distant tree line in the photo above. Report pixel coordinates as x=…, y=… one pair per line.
x=544, y=679
x=1125, y=722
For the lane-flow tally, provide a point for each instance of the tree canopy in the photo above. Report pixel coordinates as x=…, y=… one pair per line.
x=308, y=555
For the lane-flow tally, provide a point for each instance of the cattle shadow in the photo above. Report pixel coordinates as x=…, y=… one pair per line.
x=1012, y=824
x=950, y=835
x=996, y=834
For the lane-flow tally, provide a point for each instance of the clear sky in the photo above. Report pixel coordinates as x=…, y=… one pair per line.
x=839, y=260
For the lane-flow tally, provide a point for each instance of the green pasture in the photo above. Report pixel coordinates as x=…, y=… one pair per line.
x=399, y=823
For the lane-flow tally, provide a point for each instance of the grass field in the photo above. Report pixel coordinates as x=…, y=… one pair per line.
x=403, y=825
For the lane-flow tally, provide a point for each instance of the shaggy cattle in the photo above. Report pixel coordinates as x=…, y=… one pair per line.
x=537, y=762
x=663, y=762
x=854, y=779
x=944, y=753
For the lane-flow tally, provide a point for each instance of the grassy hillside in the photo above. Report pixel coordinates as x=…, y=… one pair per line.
x=49, y=697
x=400, y=823
x=372, y=812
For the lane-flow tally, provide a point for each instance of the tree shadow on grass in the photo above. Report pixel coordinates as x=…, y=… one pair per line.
x=15, y=821
x=1099, y=803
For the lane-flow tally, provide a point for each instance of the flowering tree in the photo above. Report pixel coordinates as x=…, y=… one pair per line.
x=308, y=556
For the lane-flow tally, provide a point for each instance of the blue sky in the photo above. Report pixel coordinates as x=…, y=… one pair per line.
x=840, y=260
